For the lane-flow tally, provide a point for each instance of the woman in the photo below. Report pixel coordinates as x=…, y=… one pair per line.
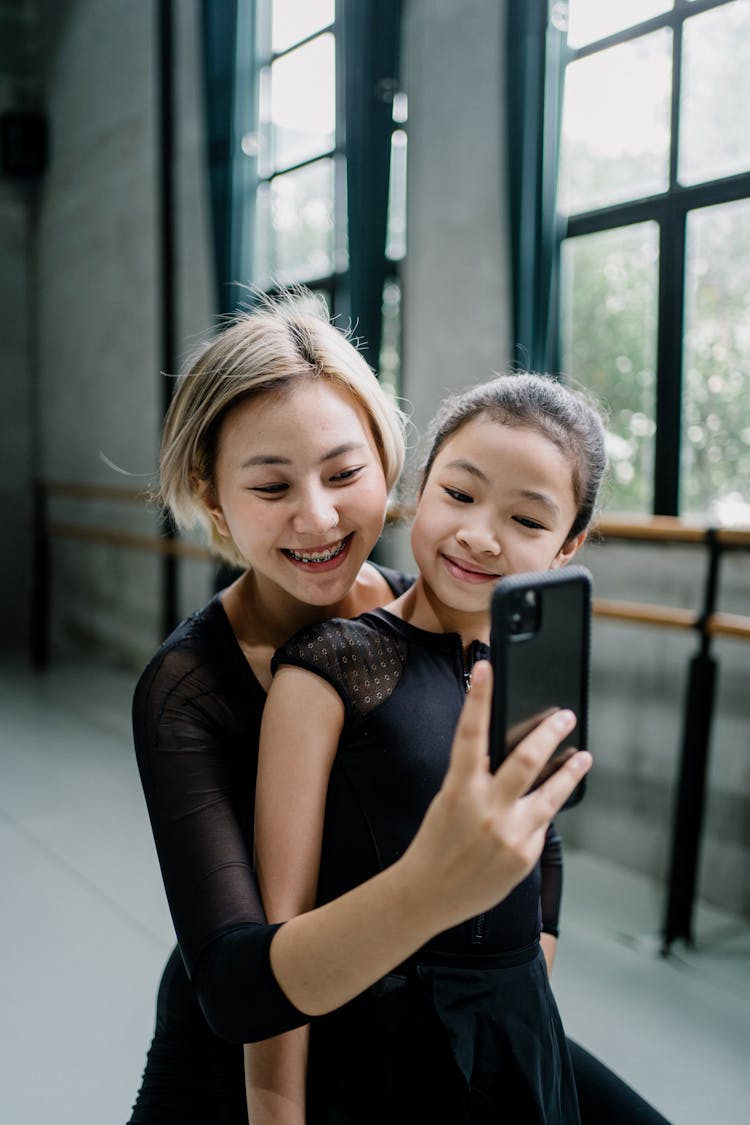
x=281, y=444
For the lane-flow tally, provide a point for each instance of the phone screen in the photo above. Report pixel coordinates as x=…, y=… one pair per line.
x=540, y=654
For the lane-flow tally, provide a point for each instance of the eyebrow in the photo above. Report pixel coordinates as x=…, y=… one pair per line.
x=274, y=459
x=469, y=467
x=523, y=493
x=540, y=498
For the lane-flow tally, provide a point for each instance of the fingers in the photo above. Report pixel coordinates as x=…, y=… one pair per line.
x=471, y=740
x=552, y=795
x=521, y=768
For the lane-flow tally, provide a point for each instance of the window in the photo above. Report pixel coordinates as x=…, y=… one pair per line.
x=654, y=189
x=300, y=229
x=300, y=208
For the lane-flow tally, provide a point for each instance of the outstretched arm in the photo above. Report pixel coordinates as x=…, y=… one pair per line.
x=480, y=837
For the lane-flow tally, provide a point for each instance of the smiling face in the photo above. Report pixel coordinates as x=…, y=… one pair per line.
x=300, y=489
x=498, y=500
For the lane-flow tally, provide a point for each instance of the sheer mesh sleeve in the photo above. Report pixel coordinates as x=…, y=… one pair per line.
x=362, y=663
x=196, y=720
x=196, y=717
x=552, y=875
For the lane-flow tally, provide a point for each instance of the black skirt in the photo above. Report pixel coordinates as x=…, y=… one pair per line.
x=460, y=1040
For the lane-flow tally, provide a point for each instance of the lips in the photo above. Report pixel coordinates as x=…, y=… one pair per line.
x=468, y=572
x=319, y=556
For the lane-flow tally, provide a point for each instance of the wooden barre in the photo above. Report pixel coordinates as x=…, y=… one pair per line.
x=718, y=624
x=729, y=625
x=672, y=617
x=665, y=529
x=154, y=543
x=74, y=491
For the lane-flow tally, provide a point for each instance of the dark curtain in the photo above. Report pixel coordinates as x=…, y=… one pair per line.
x=371, y=41
x=229, y=77
x=534, y=99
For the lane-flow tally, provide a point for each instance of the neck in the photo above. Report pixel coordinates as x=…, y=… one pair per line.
x=263, y=613
x=420, y=606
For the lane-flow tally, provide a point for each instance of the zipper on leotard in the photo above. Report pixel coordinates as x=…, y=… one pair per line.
x=478, y=924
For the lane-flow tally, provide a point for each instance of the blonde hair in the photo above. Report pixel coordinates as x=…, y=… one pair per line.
x=263, y=350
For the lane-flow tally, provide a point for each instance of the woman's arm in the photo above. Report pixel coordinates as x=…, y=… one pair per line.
x=480, y=837
x=300, y=732
x=254, y=980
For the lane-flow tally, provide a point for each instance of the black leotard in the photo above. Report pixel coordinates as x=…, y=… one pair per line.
x=403, y=689
x=476, y=997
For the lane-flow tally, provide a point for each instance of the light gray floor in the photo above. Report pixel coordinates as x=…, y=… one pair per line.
x=85, y=931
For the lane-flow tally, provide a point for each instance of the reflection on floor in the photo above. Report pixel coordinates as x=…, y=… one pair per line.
x=85, y=932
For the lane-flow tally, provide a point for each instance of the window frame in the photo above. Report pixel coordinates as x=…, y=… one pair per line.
x=670, y=210
x=333, y=284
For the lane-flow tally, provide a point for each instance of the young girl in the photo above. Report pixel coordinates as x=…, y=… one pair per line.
x=354, y=745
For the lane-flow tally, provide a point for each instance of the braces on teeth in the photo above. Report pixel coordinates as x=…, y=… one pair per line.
x=325, y=557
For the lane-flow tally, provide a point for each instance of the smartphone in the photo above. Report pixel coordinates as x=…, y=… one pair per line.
x=540, y=651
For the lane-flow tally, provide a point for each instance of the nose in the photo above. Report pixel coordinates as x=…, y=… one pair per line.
x=315, y=512
x=479, y=538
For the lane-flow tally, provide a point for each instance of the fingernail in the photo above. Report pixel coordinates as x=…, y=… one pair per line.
x=564, y=720
x=480, y=671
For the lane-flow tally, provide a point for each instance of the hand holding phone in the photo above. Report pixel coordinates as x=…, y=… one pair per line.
x=539, y=648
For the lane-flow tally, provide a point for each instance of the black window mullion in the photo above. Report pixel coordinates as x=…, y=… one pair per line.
x=670, y=317
x=669, y=362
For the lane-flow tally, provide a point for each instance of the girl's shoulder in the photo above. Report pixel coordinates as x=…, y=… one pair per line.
x=361, y=658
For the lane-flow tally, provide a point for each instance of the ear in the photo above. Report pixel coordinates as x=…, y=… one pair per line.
x=206, y=494
x=568, y=549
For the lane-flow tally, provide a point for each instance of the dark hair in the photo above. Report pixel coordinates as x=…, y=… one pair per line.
x=567, y=417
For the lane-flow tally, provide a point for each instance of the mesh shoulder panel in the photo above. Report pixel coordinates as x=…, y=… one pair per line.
x=361, y=659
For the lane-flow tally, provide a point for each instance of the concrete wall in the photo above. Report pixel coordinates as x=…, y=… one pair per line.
x=98, y=305
x=456, y=273
x=639, y=688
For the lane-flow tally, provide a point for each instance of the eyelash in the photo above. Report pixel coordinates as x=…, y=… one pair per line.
x=464, y=498
x=278, y=490
x=270, y=489
x=347, y=474
x=457, y=495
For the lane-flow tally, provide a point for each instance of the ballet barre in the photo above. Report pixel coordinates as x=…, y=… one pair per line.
x=707, y=622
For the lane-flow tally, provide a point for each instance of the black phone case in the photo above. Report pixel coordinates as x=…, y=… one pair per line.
x=540, y=651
